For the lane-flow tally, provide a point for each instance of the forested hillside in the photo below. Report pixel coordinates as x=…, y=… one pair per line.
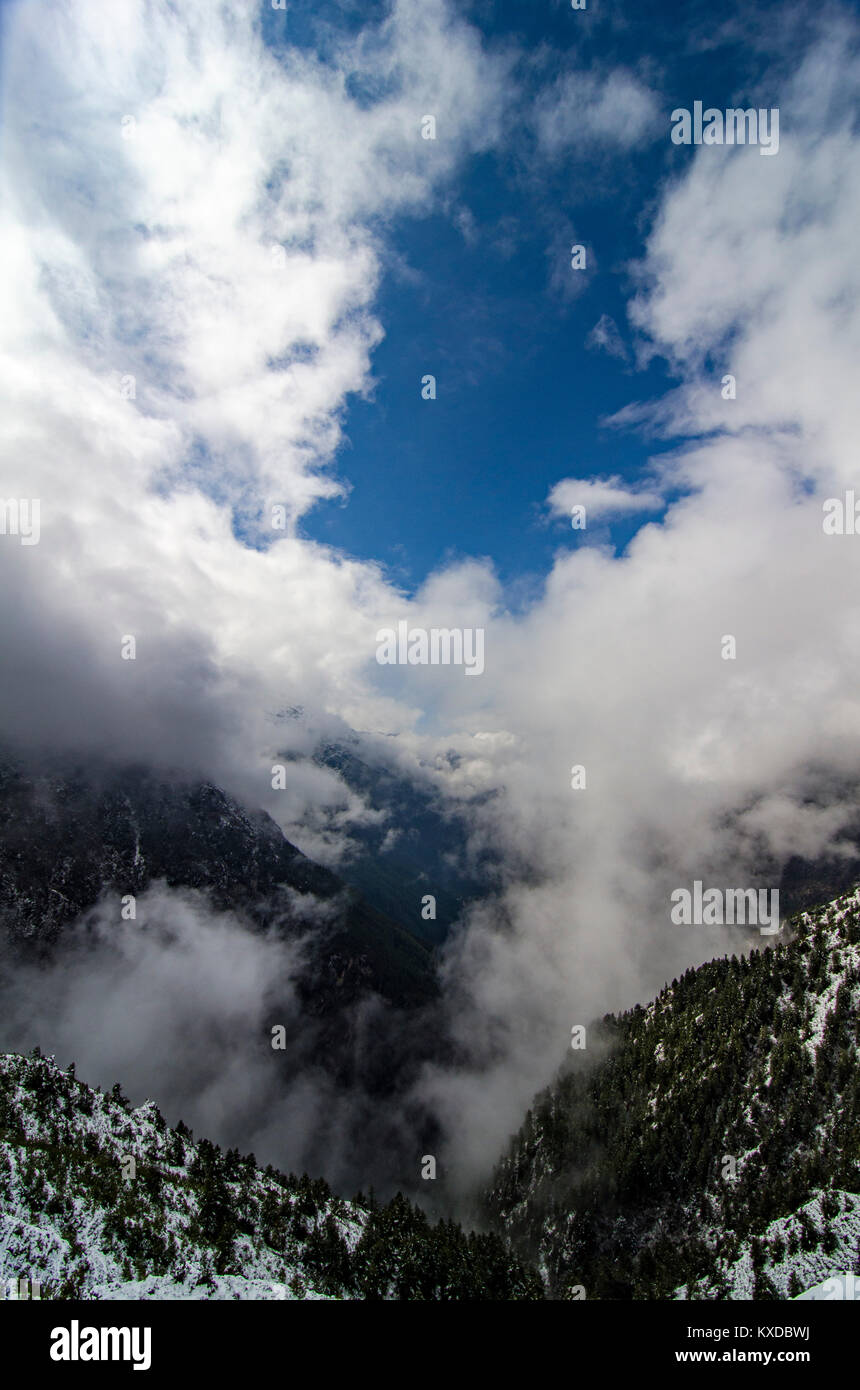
x=664, y=1152
x=101, y=1201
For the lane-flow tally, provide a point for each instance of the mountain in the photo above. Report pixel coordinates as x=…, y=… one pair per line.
x=67, y=837
x=707, y=1146
x=101, y=1201
x=415, y=845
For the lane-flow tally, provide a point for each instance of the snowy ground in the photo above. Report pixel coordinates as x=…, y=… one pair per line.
x=222, y=1288
x=812, y=1267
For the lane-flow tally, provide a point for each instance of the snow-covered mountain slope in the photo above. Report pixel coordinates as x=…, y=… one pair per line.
x=102, y=1201
x=821, y=1237
x=711, y=1140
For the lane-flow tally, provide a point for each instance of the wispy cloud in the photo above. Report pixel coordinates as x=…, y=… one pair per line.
x=605, y=337
x=602, y=497
x=584, y=111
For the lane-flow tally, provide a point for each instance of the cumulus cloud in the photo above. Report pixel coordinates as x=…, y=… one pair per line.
x=191, y=250
x=749, y=274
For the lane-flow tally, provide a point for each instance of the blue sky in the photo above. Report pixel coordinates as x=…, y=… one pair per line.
x=522, y=398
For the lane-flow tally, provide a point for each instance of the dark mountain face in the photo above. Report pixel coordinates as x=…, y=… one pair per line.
x=806, y=883
x=356, y=994
x=419, y=846
x=709, y=1142
x=66, y=839
x=616, y=1182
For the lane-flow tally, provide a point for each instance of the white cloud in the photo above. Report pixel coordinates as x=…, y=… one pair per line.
x=601, y=497
x=606, y=337
x=584, y=110
x=222, y=255
x=223, y=261
x=750, y=272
